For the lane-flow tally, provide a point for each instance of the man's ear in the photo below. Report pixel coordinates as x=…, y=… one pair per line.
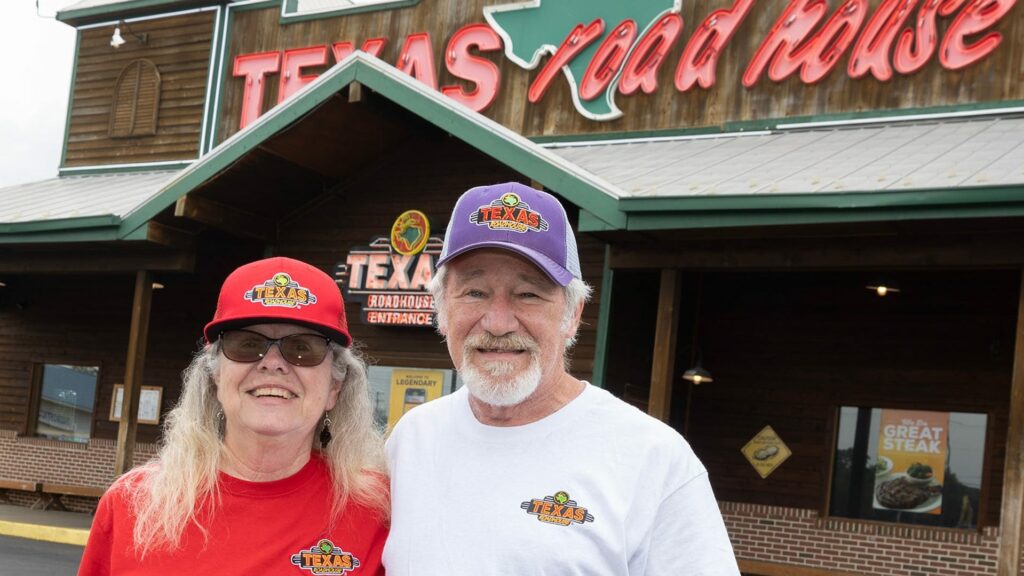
x=577, y=319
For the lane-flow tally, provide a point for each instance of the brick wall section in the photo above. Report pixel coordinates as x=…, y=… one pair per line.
x=38, y=460
x=800, y=537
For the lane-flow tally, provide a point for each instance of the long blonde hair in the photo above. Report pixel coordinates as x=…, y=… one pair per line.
x=171, y=491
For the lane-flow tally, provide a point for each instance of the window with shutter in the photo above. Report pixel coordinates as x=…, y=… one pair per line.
x=136, y=100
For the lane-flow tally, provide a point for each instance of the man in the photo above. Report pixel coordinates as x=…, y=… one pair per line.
x=525, y=469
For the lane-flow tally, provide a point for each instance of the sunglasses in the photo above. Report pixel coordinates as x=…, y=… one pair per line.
x=296, y=349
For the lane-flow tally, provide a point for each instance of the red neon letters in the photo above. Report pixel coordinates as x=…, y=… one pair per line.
x=901, y=36
x=483, y=73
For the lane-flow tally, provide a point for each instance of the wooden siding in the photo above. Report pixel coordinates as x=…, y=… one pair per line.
x=179, y=47
x=993, y=79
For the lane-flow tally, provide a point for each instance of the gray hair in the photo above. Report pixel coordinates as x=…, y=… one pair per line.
x=169, y=492
x=576, y=293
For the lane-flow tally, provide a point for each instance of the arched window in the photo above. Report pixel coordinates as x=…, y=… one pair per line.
x=136, y=100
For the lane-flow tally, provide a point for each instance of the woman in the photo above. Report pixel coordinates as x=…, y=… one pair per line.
x=271, y=463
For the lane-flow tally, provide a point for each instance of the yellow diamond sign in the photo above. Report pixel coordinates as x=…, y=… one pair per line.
x=766, y=451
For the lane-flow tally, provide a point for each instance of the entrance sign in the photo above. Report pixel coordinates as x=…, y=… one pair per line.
x=390, y=275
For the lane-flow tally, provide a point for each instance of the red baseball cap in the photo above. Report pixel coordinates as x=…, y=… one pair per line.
x=280, y=290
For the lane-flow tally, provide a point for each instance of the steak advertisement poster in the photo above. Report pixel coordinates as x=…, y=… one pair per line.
x=912, y=447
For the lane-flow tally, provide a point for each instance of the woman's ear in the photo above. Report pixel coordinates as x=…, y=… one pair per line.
x=333, y=393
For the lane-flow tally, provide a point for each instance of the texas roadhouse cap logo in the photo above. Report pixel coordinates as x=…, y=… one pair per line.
x=325, y=558
x=557, y=509
x=509, y=213
x=281, y=291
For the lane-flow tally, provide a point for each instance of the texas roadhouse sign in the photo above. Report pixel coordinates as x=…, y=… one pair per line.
x=608, y=48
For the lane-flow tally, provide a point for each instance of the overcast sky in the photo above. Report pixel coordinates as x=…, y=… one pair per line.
x=37, y=53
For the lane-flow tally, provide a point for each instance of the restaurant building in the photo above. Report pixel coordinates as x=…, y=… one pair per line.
x=804, y=223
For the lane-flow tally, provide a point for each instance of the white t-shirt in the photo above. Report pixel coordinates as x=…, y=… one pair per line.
x=597, y=488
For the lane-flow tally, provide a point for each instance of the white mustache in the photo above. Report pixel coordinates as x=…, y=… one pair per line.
x=507, y=342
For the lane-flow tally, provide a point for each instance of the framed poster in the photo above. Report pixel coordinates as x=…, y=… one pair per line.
x=149, y=404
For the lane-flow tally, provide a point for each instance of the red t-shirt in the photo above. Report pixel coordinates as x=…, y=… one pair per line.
x=278, y=527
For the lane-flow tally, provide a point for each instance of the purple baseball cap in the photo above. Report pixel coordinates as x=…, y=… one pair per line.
x=514, y=217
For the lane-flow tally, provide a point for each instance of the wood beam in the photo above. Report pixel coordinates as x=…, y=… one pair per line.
x=134, y=365
x=355, y=92
x=224, y=217
x=98, y=262
x=163, y=235
x=1011, y=517
x=665, y=333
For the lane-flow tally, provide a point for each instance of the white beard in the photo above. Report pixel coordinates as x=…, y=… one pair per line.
x=495, y=383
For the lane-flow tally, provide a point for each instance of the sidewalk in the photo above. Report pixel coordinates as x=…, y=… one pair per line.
x=49, y=525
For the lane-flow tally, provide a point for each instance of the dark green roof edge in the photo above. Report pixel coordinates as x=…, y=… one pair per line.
x=405, y=91
x=289, y=16
x=760, y=218
x=128, y=9
x=60, y=229
x=828, y=200
x=97, y=170
x=994, y=107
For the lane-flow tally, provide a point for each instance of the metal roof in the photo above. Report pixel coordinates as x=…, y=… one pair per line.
x=946, y=154
x=72, y=197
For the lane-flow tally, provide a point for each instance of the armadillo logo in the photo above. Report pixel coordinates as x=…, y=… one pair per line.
x=557, y=509
x=593, y=66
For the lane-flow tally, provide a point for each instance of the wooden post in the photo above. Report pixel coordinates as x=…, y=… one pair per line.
x=1010, y=517
x=665, y=331
x=134, y=365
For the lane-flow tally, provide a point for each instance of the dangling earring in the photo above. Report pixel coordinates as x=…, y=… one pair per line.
x=325, y=432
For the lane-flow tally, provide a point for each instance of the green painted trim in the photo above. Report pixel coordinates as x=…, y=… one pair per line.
x=289, y=16
x=215, y=87
x=590, y=223
x=74, y=16
x=71, y=96
x=88, y=229
x=773, y=123
x=62, y=236
x=843, y=201
x=125, y=169
x=255, y=6
x=603, y=320
x=107, y=220
x=710, y=219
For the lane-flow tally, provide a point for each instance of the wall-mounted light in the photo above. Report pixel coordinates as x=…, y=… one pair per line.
x=883, y=289
x=698, y=374
x=158, y=286
x=117, y=40
x=3, y=284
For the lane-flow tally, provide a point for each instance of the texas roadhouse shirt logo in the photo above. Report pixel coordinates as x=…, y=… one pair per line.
x=509, y=213
x=557, y=509
x=325, y=558
x=282, y=291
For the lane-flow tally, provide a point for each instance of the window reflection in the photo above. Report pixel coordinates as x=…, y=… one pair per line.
x=910, y=467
